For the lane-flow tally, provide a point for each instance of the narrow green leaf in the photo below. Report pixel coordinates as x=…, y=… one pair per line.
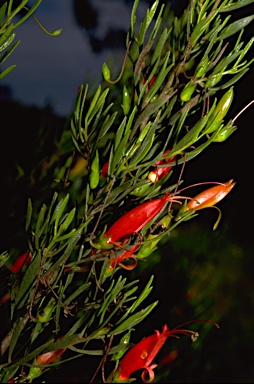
x=2, y=11
x=61, y=208
x=28, y=280
x=36, y=352
x=239, y=4
x=7, y=42
x=80, y=290
x=15, y=336
x=39, y=225
x=134, y=17
x=9, y=52
x=29, y=13
x=93, y=102
x=29, y=213
x=133, y=320
x=119, y=132
x=7, y=71
x=235, y=27
x=65, y=342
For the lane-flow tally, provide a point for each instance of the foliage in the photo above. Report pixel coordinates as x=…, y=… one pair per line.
x=77, y=292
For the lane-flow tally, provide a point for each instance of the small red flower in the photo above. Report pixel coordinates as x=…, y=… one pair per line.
x=49, y=357
x=104, y=170
x=21, y=261
x=159, y=172
x=150, y=82
x=44, y=359
x=141, y=356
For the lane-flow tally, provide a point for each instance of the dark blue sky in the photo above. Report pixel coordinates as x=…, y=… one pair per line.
x=50, y=69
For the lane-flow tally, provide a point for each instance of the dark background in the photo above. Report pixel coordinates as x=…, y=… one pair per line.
x=201, y=272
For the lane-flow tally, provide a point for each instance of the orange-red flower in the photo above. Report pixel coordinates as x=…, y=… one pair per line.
x=210, y=196
x=159, y=172
x=21, y=261
x=44, y=359
x=141, y=356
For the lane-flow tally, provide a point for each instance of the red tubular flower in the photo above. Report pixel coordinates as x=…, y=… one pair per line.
x=141, y=356
x=104, y=170
x=118, y=260
x=49, y=357
x=210, y=196
x=150, y=82
x=44, y=359
x=133, y=221
x=21, y=261
x=159, y=172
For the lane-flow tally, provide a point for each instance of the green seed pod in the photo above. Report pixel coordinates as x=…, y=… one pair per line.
x=140, y=191
x=220, y=111
x=202, y=67
x=106, y=72
x=126, y=101
x=94, y=176
x=187, y=92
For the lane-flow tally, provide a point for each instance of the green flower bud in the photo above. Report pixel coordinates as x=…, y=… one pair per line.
x=224, y=133
x=106, y=72
x=187, y=92
x=94, y=176
x=126, y=101
x=202, y=67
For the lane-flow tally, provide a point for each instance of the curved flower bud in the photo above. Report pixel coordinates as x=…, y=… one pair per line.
x=210, y=196
x=44, y=359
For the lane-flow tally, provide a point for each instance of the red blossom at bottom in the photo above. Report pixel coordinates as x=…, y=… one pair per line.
x=141, y=356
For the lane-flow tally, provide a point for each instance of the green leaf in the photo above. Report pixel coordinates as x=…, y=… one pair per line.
x=60, y=209
x=36, y=352
x=2, y=11
x=7, y=42
x=119, y=132
x=29, y=213
x=15, y=336
x=65, y=342
x=80, y=290
x=235, y=27
x=28, y=280
x=239, y=4
x=7, y=71
x=133, y=320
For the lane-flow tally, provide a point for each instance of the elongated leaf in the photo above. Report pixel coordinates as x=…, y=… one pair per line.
x=239, y=4
x=15, y=336
x=36, y=352
x=2, y=11
x=29, y=213
x=133, y=320
x=28, y=280
x=235, y=27
x=7, y=71
x=80, y=290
